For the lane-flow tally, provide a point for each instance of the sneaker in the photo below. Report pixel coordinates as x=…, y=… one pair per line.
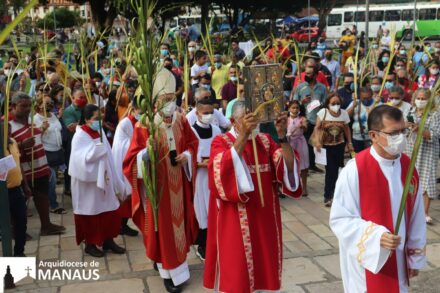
x=328, y=202
x=200, y=252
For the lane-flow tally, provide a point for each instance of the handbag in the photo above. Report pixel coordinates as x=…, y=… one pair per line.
x=317, y=135
x=55, y=159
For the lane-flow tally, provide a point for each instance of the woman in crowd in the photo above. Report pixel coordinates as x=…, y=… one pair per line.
x=51, y=138
x=431, y=76
x=427, y=160
x=332, y=133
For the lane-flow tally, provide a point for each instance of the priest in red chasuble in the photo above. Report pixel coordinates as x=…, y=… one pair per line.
x=176, y=222
x=244, y=247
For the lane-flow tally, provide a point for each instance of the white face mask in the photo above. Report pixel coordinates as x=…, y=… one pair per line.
x=191, y=49
x=396, y=144
x=207, y=118
x=7, y=72
x=395, y=102
x=421, y=104
x=169, y=108
x=433, y=71
x=335, y=108
x=98, y=84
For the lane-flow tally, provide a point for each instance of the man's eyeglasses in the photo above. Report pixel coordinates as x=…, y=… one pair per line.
x=395, y=133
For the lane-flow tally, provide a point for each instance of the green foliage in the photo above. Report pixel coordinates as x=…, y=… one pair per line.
x=64, y=18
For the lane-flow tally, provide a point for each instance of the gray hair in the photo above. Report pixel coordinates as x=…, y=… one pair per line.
x=397, y=89
x=199, y=92
x=426, y=92
x=18, y=96
x=238, y=109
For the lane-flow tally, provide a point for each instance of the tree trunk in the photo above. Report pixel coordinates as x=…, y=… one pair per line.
x=205, y=15
x=235, y=15
x=324, y=7
x=102, y=18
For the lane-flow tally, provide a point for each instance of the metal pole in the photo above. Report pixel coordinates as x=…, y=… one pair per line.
x=308, y=8
x=414, y=23
x=5, y=219
x=367, y=16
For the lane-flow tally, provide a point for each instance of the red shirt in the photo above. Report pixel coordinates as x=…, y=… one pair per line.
x=319, y=78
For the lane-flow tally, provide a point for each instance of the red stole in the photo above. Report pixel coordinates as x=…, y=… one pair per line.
x=93, y=134
x=132, y=120
x=375, y=205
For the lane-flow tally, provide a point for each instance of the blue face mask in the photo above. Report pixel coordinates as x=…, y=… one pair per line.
x=95, y=125
x=206, y=86
x=164, y=52
x=138, y=117
x=389, y=85
x=367, y=102
x=385, y=59
x=352, y=86
x=218, y=64
x=176, y=63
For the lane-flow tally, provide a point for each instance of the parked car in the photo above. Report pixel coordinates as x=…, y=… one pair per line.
x=302, y=35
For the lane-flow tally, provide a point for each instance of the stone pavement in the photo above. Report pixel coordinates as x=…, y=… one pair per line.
x=311, y=260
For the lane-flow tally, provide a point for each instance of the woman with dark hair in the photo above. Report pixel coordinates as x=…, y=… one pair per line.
x=95, y=186
x=110, y=117
x=431, y=75
x=332, y=133
x=383, y=61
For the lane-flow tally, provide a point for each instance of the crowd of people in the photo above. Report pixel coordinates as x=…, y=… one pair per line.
x=80, y=123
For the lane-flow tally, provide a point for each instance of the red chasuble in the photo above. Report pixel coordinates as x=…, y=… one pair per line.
x=177, y=225
x=125, y=208
x=375, y=206
x=244, y=245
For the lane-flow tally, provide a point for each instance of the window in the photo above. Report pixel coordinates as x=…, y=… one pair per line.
x=334, y=19
x=392, y=15
x=426, y=14
x=438, y=14
x=359, y=16
x=376, y=16
x=348, y=16
x=408, y=15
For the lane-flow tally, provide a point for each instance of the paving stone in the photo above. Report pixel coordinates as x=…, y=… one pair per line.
x=314, y=241
x=48, y=252
x=325, y=287
x=330, y=263
x=49, y=240
x=113, y=286
x=433, y=254
x=297, y=228
x=321, y=230
x=288, y=236
x=297, y=246
x=72, y=255
x=134, y=243
x=31, y=247
x=300, y=271
x=117, y=266
x=332, y=240
x=68, y=243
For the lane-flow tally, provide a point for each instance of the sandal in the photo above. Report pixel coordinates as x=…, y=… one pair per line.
x=428, y=220
x=58, y=211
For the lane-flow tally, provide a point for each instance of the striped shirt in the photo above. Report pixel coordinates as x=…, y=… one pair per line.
x=21, y=132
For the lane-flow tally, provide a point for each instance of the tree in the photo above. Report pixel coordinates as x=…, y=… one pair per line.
x=324, y=7
x=63, y=18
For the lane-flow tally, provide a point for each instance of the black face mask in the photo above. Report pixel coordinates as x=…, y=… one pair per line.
x=347, y=86
x=308, y=79
x=401, y=80
x=328, y=57
x=169, y=67
x=313, y=48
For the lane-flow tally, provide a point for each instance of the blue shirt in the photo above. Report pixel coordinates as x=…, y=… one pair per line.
x=319, y=92
x=420, y=60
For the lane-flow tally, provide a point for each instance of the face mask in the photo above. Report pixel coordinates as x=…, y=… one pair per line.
x=169, y=67
x=106, y=71
x=396, y=144
x=352, y=86
x=395, y=102
x=308, y=79
x=433, y=71
x=402, y=52
x=401, y=80
x=164, y=52
x=389, y=85
x=191, y=49
x=95, y=125
x=367, y=102
x=385, y=59
x=335, y=108
x=169, y=108
x=176, y=63
x=207, y=118
x=138, y=116
x=348, y=86
x=206, y=86
x=437, y=50
x=233, y=78
x=421, y=104
x=399, y=67
x=328, y=57
x=7, y=72
x=81, y=103
x=375, y=46
x=313, y=47
x=98, y=84
x=218, y=64
x=375, y=87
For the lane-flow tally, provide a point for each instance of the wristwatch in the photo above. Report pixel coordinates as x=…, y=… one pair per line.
x=282, y=140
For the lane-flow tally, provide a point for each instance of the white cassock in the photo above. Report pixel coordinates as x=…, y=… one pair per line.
x=121, y=143
x=201, y=193
x=95, y=184
x=349, y=227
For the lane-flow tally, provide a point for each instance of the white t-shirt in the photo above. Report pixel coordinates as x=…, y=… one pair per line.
x=343, y=116
x=51, y=138
x=404, y=107
x=195, y=69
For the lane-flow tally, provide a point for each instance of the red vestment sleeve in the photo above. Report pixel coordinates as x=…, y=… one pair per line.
x=221, y=172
